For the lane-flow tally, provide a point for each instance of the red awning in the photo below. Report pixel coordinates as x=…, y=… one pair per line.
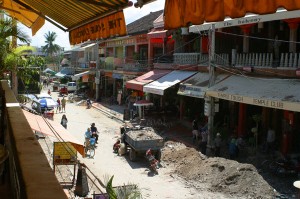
x=182, y=13
x=53, y=129
x=139, y=82
x=157, y=34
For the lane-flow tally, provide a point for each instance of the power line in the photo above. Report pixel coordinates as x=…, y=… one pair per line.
x=260, y=38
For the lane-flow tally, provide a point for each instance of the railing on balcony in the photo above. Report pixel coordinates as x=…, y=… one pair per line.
x=290, y=60
x=135, y=67
x=254, y=59
x=26, y=172
x=199, y=58
x=287, y=60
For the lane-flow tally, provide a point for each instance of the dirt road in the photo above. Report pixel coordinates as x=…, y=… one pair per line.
x=106, y=163
x=185, y=173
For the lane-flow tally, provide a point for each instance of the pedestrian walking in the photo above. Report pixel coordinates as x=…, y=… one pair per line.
x=63, y=104
x=233, y=148
x=64, y=121
x=58, y=108
x=203, y=143
x=270, y=140
x=195, y=131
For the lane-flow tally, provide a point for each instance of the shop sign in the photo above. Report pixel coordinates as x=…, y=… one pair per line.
x=64, y=153
x=112, y=25
x=192, y=91
x=251, y=100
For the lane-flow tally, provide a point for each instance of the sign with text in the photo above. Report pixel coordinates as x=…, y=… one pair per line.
x=277, y=104
x=192, y=91
x=64, y=153
x=112, y=25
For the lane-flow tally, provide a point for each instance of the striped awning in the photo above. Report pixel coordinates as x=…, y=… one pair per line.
x=28, y=17
x=67, y=14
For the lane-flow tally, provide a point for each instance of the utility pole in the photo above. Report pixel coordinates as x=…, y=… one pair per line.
x=210, y=100
x=97, y=71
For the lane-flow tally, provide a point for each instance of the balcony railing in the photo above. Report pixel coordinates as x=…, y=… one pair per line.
x=254, y=59
x=287, y=60
x=26, y=173
x=135, y=67
x=290, y=60
x=199, y=58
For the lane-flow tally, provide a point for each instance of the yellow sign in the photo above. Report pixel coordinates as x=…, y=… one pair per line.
x=112, y=25
x=64, y=153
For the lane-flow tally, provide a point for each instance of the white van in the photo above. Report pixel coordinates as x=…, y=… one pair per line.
x=72, y=86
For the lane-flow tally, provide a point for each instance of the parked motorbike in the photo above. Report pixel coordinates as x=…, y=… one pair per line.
x=287, y=166
x=153, y=163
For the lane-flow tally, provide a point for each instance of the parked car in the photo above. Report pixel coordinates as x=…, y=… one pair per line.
x=72, y=87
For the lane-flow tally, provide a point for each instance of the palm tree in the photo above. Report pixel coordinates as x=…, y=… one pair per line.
x=50, y=48
x=8, y=29
x=129, y=191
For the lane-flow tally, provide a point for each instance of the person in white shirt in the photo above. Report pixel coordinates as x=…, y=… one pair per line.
x=270, y=139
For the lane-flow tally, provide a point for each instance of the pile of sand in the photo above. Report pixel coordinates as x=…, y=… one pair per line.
x=217, y=174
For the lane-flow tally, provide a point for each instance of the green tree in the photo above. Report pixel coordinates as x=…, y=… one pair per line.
x=122, y=192
x=51, y=48
x=29, y=67
x=7, y=31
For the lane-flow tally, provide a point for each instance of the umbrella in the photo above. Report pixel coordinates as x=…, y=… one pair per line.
x=143, y=103
x=47, y=103
x=140, y=104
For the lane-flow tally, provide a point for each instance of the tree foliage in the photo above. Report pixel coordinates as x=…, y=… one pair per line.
x=129, y=191
x=50, y=48
x=8, y=29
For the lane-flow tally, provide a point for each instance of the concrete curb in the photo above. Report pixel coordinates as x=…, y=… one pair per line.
x=107, y=113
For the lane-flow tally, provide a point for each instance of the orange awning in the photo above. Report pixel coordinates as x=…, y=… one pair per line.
x=53, y=129
x=23, y=15
x=72, y=14
x=139, y=82
x=65, y=14
x=182, y=13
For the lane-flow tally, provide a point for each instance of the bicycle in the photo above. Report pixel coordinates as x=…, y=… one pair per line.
x=89, y=147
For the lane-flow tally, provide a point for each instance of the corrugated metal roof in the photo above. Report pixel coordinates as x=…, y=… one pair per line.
x=144, y=24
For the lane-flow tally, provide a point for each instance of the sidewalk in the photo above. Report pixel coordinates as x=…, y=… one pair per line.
x=177, y=133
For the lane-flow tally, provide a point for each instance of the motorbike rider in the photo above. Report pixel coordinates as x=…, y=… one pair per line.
x=116, y=146
x=95, y=132
x=152, y=161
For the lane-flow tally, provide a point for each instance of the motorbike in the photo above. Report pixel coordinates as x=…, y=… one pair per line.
x=153, y=163
x=287, y=166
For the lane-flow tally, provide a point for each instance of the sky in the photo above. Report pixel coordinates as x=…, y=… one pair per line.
x=131, y=14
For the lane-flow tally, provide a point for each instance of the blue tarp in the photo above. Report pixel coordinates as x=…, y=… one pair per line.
x=65, y=72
